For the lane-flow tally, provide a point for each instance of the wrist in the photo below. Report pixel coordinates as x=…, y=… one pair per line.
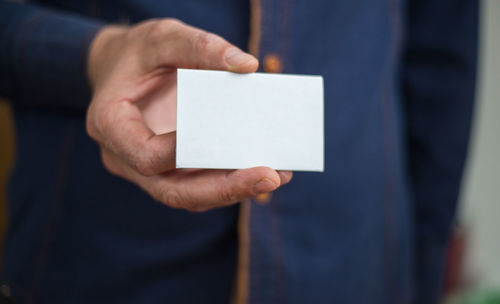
x=103, y=48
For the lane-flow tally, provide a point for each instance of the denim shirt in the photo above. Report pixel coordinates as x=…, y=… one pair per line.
x=399, y=87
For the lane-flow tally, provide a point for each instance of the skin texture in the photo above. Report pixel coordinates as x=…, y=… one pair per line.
x=133, y=71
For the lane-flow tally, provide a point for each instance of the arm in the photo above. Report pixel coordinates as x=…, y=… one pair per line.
x=439, y=70
x=55, y=60
x=43, y=56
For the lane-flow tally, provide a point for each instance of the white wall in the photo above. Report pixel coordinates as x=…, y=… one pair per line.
x=480, y=198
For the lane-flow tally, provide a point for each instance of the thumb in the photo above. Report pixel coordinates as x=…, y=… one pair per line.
x=179, y=45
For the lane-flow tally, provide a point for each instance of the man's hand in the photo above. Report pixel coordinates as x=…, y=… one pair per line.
x=129, y=65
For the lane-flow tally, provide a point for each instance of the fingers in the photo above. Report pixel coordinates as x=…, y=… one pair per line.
x=121, y=129
x=207, y=189
x=285, y=176
x=200, y=190
x=175, y=44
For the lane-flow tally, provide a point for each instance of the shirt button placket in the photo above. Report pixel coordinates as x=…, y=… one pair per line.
x=272, y=63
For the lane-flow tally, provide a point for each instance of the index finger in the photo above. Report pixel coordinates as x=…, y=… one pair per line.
x=121, y=129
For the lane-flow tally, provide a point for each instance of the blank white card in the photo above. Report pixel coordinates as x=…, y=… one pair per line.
x=234, y=121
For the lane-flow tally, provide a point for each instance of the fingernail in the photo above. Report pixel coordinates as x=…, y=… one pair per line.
x=264, y=185
x=285, y=176
x=236, y=57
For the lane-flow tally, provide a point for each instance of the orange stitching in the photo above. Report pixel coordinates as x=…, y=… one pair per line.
x=255, y=27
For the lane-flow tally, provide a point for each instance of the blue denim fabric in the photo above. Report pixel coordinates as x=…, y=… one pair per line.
x=399, y=86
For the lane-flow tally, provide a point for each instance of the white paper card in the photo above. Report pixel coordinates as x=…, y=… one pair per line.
x=234, y=121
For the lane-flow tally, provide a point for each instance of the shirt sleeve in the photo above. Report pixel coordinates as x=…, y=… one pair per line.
x=43, y=55
x=439, y=71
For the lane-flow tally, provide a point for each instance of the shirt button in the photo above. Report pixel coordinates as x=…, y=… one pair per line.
x=263, y=198
x=273, y=63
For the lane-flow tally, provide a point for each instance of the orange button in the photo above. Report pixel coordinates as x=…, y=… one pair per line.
x=273, y=63
x=263, y=198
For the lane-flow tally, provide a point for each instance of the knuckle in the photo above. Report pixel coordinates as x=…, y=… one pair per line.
x=176, y=199
x=227, y=195
x=90, y=128
x=144, y=166
x=108, y=164
x=171, y=197
x=155, y=37
x=150, y=161
x=143, y=27
x=155, y=33
x=173, y=22
x=145, y=24
x=203, y=40
x=102, y=119
x=95, y=122
x=150, y=158
x=162, y=29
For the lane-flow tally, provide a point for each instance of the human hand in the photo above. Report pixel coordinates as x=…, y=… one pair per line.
x=129, y=65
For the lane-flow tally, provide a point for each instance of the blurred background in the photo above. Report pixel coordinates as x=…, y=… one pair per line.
x=473, y=268
x=479, y=212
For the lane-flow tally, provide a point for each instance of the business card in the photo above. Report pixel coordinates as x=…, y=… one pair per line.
x=233, y=121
